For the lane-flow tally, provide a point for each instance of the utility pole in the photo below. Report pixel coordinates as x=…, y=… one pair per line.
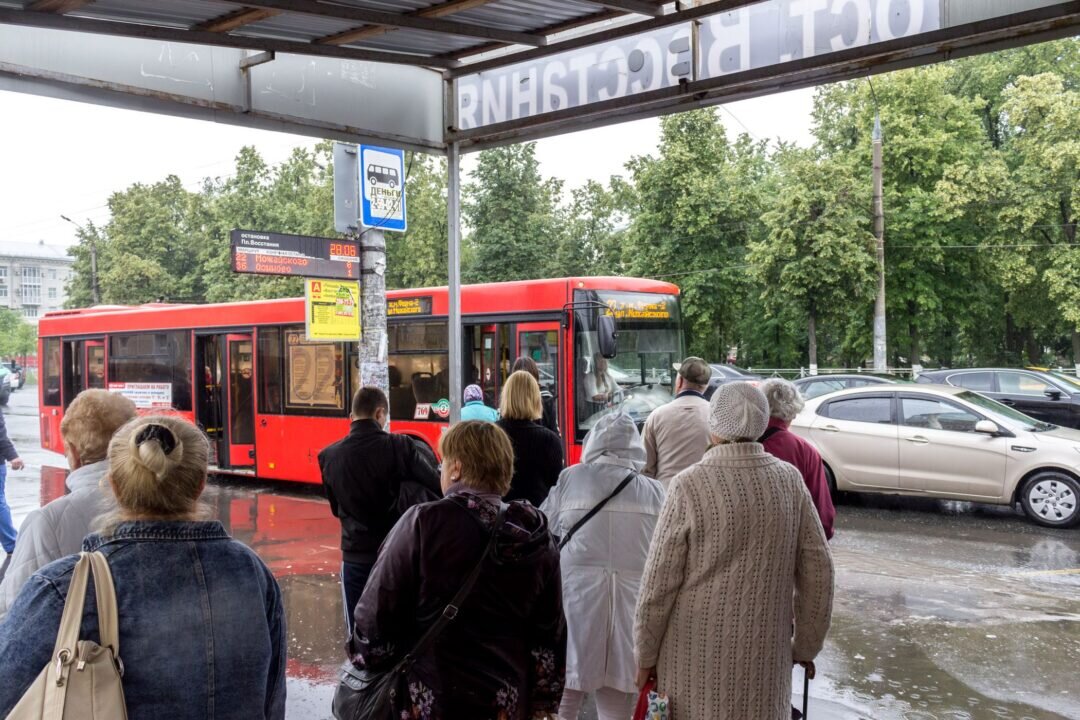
x=95, y=298
x=881, y=361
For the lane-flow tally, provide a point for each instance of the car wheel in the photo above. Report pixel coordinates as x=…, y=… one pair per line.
x=1052, y=499
x=834, y=494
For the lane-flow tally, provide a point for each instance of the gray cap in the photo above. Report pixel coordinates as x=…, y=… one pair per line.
x=694, y=370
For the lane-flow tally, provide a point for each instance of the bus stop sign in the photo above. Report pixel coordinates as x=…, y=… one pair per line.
x=382, y=188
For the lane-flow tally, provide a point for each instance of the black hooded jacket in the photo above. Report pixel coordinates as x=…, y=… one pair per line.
x=504, y=655
x=363, y=474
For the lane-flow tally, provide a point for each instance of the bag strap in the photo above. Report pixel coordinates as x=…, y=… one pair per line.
x=108, y=621
x=452, y=608
x=597, y=508
x=769, y=433
x=71, y=621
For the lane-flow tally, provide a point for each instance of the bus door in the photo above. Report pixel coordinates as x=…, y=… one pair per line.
x=84, y=367
x=540, y=341
x=488, y=359
x=241, y=400
x=210, y=405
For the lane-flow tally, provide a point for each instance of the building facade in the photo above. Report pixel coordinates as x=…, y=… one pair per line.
x=33, y=277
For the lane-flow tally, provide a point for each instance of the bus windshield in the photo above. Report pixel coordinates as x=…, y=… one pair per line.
x=640, y=378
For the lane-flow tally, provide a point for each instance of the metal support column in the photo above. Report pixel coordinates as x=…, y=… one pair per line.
x=453, y=267
x=373, y=370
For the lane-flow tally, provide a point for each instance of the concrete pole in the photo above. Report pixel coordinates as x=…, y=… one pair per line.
x=453, y=267
x=881, y=357
x=373, y=310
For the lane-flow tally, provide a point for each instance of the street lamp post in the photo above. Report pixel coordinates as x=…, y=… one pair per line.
x=93, y=259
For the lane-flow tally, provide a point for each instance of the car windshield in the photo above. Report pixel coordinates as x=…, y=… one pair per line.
x=1005, y=415
x=639, y=378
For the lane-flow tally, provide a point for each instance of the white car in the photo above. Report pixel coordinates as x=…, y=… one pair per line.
x=945, y=442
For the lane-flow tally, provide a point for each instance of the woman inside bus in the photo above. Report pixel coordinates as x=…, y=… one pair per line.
x=169, y=569
x=538, y=452
x=503, y=654
x=600, y=386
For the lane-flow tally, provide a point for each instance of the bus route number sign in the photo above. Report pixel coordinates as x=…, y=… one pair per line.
x=267, y=253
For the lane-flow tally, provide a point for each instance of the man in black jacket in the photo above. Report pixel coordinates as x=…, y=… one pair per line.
x=362, y=475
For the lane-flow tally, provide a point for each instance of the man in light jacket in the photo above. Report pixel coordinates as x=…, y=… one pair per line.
x=58, y=529
x=602, y=563
x=677, y=434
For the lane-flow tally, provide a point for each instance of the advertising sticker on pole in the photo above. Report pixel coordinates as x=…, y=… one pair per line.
x=382, y=188
x=332, y=310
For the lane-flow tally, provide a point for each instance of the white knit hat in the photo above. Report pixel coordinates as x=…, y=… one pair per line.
x=738, y=411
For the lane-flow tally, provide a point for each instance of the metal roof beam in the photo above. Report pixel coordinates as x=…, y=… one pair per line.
x=602, y=16
x=56, y=6
x=398, y=20
x=434, y=11
x=637, y=7
x=603, y=36
x=233, y=20
x=180, y=35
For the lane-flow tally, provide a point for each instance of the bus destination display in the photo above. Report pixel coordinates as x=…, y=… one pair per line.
x=267, y=253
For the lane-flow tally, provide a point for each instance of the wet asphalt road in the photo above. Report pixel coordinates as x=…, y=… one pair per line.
x=944, y=611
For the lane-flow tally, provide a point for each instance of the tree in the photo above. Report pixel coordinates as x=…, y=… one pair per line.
x=696, y=206
x=816, y=253
x=594, y=227
x=511, y=213
x=18, y=338
x=418, y=258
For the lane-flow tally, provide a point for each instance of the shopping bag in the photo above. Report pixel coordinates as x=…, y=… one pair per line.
x=652, y=705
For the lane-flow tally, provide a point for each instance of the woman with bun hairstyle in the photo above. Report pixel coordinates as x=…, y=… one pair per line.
x=202, y=631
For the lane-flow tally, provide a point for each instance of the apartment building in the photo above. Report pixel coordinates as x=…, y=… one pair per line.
x=33, y=277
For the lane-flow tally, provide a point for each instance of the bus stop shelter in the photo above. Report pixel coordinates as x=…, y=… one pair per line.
x=455, y=76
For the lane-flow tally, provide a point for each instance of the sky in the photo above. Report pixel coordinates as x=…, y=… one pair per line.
x=59, y=157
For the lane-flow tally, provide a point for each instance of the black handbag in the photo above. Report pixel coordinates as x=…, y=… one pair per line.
x=376, y=695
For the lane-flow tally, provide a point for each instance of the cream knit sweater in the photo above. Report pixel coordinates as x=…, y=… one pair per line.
x=737, y=554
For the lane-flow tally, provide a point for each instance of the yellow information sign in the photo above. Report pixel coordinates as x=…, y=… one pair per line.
x=332, y=309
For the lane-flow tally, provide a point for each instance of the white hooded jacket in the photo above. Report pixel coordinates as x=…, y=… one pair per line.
x=602, y=563
x=57, y=530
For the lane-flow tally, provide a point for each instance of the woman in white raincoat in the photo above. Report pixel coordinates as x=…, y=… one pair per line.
x=602, y=564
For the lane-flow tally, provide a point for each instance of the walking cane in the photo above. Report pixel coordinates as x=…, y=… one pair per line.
x=805, y=691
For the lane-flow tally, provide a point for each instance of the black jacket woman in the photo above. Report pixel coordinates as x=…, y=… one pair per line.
x=538, y=452
x=503, y=656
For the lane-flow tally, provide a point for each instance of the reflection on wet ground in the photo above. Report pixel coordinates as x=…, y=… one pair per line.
x=944, y=610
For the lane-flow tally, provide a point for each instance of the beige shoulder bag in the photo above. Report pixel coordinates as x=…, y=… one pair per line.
x=82, y=680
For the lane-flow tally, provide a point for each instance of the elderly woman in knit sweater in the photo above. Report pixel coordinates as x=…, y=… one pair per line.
x=738, y=552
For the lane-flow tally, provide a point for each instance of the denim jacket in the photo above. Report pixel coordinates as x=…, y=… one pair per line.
x=202, y=629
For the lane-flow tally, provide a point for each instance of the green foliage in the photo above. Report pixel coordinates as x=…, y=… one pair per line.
x=418, y=257
x=511, y=212
x=18, y=338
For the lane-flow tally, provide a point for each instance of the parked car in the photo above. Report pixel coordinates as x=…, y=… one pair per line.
x=1042, y=395
x=814, y=386
x=5, y=385
x=723, y=373
x=18, y=375
x=945, y=442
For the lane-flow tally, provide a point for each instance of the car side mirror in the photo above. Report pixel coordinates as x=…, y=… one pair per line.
x=1053, y=394
x=987, y=427
x=607, y=336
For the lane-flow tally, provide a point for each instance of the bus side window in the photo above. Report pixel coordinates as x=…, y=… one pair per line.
x=51, y=363
x=269, y=369
x=315, y=373
x=419, y=370
x=154, y=358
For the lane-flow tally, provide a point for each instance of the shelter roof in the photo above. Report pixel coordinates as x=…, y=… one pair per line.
x=414, y=32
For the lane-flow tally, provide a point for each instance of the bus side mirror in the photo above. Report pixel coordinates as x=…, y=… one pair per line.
x=607, y=336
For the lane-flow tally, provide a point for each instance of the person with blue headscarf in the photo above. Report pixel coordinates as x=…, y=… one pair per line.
x=602, y=561
x=474, y=408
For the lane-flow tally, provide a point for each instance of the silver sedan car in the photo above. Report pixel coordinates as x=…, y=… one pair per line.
x=945, y=442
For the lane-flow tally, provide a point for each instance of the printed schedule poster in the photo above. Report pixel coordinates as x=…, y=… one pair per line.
x=332, y=310
x=145, y=395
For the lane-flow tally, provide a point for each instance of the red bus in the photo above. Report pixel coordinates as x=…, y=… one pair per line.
x=270, y=400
